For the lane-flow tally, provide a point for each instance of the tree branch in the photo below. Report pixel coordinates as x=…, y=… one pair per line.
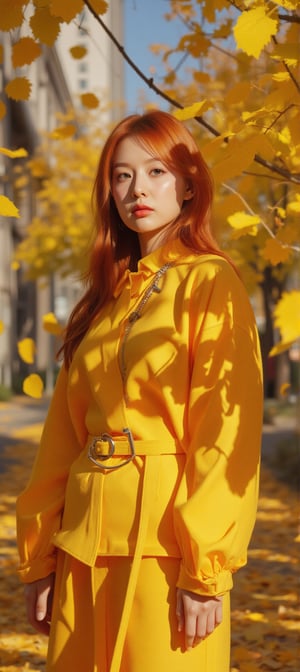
x=295, y=178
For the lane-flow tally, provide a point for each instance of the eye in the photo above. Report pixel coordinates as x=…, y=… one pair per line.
x=122, y=176
x=157, y=171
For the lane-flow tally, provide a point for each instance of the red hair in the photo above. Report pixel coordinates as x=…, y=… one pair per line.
x=116, y=248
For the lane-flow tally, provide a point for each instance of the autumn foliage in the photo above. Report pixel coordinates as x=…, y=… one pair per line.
x=233, y=77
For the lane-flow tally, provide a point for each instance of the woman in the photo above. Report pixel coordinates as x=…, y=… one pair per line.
x=143, y=495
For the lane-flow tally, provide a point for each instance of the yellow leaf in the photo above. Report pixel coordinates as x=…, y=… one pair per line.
x=239, y=93
x=275, y=252
x=51, y=325
x=33, y=386
x=89, y=100
x=44, y=26
x=26, y=350
x=25, y=51
x=100, y=6
x=284, y=388
x=11, y=16
x=15, y=265
x=257, y=617
x=63, y=132
x=244, y=223
x=287, y=316
x=2, y=109
x=78, y=52
x=192, y=111
x=67, y=9
x=286, y=52
x=294, y=206
x=18, y=88
x=1, y=327
x=253, y=31
x=14, y=153
x=7, y=208
x=237, y=156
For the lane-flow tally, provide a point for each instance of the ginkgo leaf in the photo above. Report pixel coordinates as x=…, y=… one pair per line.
x=275, y=252
x=18, y=88
x=33, y=386
x=253, y=30
x=63, y=132
x=26, y=350
x=243, y=223
x=25, y=51
x=287, y=316
x=1, y=327
x=7, y=207
x=89, y=100
x=11, y=16
x=51, y=325
x=284, y=388
x=67, y=9
x=78, y=52
x=2, y=109
x=100, y=6
x=192, y=111
x=14, y=153
x=44, y=26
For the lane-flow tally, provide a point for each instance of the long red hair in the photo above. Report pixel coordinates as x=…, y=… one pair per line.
x=115, y=248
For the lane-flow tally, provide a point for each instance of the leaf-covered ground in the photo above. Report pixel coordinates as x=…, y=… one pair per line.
x=265, y=607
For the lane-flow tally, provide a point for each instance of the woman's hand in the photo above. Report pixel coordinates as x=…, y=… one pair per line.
x=38, y=599
x=197, y=615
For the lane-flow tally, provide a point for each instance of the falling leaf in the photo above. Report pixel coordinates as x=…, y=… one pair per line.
x=192, y=111
x=26, y=350
x=253, y=31
x=2, y=109
x=89, y=100
x=51, y=325
x=15, y=265
x=66, y=10
x=275, y=252
x=44, y=26
x=63, y=132
x=1, y=327
x=284, y=388
x=33, y=386
x=25, y=51
x=243, y=223
x=14, y=153
x=78, y=52
x=18, y=88
x=7, y=207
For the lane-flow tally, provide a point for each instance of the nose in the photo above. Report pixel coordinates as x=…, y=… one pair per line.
x=138, y=189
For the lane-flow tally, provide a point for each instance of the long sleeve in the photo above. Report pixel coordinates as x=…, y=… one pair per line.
x=217, y=499
x=40, y=505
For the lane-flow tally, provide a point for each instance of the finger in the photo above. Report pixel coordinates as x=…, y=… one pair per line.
x=190, y=631
x=219, y=613
x=179, y=612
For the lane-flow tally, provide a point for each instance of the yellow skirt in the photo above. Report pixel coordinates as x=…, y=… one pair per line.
x=87, y=610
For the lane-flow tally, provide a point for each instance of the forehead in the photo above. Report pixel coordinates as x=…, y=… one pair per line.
x=131, y=148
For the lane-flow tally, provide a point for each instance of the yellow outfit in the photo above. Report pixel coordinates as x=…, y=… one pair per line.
x=185, y=377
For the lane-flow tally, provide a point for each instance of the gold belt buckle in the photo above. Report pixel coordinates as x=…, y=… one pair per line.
x=97, y=453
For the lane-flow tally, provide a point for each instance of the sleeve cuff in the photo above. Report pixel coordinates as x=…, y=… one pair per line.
x=216, y=585
x=37, y=570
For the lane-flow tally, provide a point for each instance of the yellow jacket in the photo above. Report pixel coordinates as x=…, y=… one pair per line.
x=185, y=378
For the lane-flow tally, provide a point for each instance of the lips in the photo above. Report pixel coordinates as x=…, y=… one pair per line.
x=141, y=210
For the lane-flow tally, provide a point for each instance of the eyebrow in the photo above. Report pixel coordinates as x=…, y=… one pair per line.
x=128, y=165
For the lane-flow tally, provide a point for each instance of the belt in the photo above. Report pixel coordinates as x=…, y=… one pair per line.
x=104, y=446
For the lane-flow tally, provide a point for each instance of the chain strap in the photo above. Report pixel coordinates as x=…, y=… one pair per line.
x=136, y=314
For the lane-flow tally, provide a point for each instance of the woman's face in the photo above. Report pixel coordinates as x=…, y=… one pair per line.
x=147, y=194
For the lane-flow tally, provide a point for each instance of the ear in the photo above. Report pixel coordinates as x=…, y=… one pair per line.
x=189, y=193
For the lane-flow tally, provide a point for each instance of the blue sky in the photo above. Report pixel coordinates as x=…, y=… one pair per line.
x=144, y=24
